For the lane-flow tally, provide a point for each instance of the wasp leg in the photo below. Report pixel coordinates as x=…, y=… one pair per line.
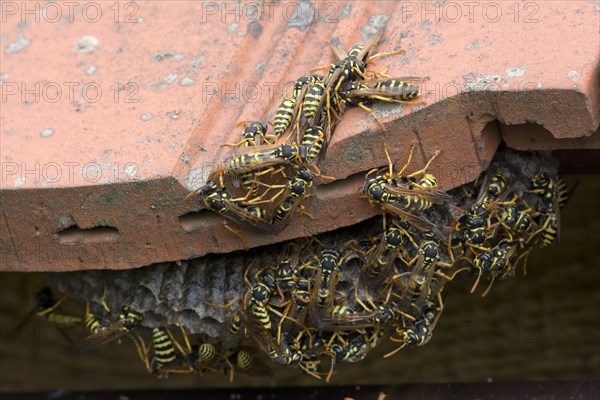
x=369, y=110
x=250, y=142
x=387, y=53
x=237, y=232
x=103, y=301
x=424, y=169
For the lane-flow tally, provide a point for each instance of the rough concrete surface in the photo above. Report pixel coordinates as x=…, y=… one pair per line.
x=113, y=112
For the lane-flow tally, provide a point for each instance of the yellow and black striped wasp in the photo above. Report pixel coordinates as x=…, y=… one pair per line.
x=361, y=93
x=314, y=140
x=242, y=360
x=352, y=65
x=416, y=195
x=496, y=262
x=516, y=221
x=126, y=323
x=416, y=290
x=323, y=312
x=288, y=112
x=395, y=237
x=295, y=192
x=169, y=356
x=476, y=223
x=420, y=331
x=46, y=306
x=165, y=356
x=401, y=197
x=349, y=67
x=221, y=202
x=254, y=134
x=257, y=312
x=263, y=158
x=553, y=194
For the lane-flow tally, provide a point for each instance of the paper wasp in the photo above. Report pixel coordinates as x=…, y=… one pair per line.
x=46, y=306
x=395, y=236
x=392, y=90
x=496, y=261
x=254, y=134
x=128, y=320
x=242, y=360
x=401, y=197
x=476, y=222
x=221, y=202
x=419, y=332
x=548, y=207
x=295, y=192
x=287, y=111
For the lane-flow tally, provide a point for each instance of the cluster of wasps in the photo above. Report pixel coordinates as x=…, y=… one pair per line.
x=502, y=225
x=165, y=355
x=277, y=174
x=330, y=299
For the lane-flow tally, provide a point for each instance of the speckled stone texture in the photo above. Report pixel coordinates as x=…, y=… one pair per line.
x=113, y=112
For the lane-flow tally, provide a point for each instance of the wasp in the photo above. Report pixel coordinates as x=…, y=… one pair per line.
x=386, y=252
x=399, y=199
x=314, y=139
x=550, y=195
x=128, y=320
x=327, y=274
x=349, y=67
x=164, y=350
x=258, y=312
x=416, y=196
x=352, y=65
x=301, y=294
x=295, y=192
x=221, y=202
x=323, y=289
x=284, y=355
x=284, y=115
x=267, y=156
x=287, y=269
x=235, y=324
x=170, y=356
x=242, y=360
x=287, y=110
x=493, y=189
x=47, y=306
x=396, y=90
x=419, y=332
x=91, y=322
x=417, y=288
x=286, y=275
x=515, y=220
x=564, y=193
x=496, y=261
x=391, y=90
x=254, y=134
x=354, y=351
x=312, y=100
x=346, y=318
